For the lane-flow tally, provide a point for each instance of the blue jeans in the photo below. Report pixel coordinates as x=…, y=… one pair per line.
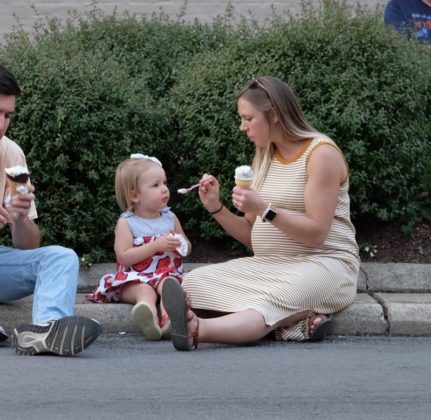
x=50, y=273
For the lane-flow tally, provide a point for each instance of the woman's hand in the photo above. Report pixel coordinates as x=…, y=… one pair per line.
x=209, y=193
x=247, y=200
x=238, y=227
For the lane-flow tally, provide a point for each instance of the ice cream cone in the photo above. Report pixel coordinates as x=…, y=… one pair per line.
x=17, y=178
x=243, y=176
x=243, y=183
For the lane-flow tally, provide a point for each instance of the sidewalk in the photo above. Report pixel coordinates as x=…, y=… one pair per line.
x=392, y=299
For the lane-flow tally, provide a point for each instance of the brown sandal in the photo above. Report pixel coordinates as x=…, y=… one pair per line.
x=195, y=334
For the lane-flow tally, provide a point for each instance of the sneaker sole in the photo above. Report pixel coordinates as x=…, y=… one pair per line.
x=175, y=305
x=144, y=319
x=3, y=335
x=64, y=337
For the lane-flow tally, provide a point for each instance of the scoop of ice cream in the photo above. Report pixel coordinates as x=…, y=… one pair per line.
x=17, y=174
x=244, y=172
x=243, y=176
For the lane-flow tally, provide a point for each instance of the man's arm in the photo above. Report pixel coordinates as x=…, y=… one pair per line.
x=25, y=233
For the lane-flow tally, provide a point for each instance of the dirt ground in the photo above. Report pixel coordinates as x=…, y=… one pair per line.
x=382, y=243
x=391, y=245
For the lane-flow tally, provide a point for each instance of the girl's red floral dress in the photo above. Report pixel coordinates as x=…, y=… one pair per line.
x=151, y=270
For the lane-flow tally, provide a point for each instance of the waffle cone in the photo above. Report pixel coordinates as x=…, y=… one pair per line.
x=16, y=187
x=243, y=183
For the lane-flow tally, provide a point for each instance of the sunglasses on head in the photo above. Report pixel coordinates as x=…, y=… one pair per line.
x=254, y=83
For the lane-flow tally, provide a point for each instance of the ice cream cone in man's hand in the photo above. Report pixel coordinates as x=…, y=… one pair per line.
x=17, y=179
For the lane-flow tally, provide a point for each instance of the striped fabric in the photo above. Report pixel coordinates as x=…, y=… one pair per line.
x=284, y=277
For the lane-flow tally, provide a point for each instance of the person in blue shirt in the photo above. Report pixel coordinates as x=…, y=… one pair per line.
x=412, y=17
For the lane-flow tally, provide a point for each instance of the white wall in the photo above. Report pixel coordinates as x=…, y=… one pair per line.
x=12, y=11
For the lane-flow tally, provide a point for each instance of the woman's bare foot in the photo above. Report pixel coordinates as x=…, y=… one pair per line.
x=314, y=322
x=319, y=326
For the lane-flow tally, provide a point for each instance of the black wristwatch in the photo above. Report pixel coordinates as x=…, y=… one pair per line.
x=268, y=214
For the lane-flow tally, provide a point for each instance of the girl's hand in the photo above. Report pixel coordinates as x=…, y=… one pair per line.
x=209, y=192
x=247, y=200
x=166, y=243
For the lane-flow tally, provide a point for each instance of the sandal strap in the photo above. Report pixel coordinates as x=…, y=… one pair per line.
x=195, y=334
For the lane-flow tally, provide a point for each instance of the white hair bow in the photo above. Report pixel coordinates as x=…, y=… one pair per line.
x=141, y=156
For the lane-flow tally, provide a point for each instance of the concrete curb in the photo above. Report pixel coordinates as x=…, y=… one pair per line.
x=373, y=277
x=395, y=278
x=392, y=299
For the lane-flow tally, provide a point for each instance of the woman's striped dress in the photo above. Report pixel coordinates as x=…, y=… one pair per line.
x=285, y=277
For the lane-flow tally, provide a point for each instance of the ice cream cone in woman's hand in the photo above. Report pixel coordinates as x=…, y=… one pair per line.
x=243, y=176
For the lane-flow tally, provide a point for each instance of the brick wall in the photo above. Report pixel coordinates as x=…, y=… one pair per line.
x=11, y=10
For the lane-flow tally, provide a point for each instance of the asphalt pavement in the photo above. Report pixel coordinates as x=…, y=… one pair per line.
x=124, y=376
x=375, y=365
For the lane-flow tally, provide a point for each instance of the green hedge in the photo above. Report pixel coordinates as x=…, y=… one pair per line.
x=360, y=83
x=98, y=88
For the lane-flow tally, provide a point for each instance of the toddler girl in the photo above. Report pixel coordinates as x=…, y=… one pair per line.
x=149, y=243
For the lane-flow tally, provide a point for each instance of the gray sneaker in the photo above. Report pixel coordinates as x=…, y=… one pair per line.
x=66, y=336
x=3, y=335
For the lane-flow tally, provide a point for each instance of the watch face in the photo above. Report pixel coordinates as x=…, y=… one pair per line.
x=270, y=214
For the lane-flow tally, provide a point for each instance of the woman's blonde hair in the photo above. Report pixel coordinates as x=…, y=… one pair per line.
x=127, y=179
x=270, y=94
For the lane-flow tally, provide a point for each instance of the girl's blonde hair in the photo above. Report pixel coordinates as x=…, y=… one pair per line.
x=127, y=179
x=269, y=94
